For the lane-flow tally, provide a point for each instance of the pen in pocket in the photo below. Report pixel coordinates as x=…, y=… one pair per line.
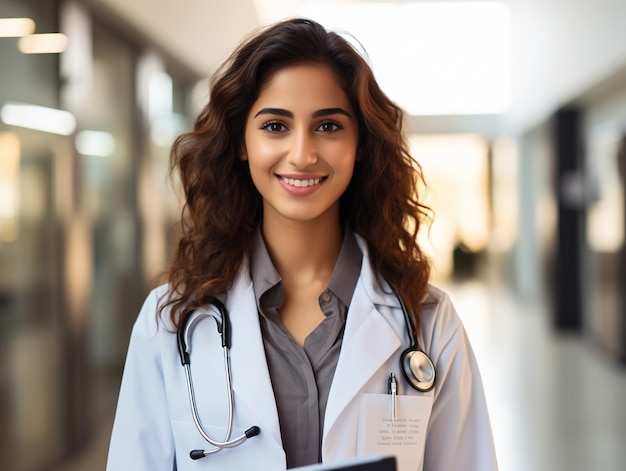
x=392, y=389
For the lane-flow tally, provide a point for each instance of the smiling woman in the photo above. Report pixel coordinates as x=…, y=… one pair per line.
x=300, y=143
x=299, y=240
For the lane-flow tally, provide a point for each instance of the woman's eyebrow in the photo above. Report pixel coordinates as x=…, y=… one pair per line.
x=329, y=111
x=275, y=111
x=289, y=114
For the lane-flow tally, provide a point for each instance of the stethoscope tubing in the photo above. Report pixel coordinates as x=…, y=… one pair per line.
x=226, y=443
x=184, y=347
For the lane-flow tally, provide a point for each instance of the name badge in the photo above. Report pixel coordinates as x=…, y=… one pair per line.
x=404, y=437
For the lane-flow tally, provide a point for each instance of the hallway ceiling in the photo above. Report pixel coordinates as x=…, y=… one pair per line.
x=198, y=33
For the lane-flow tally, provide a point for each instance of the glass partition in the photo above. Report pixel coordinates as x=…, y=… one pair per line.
x=86, y=223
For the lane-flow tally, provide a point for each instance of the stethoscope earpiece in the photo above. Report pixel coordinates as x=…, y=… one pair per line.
x=222, y=321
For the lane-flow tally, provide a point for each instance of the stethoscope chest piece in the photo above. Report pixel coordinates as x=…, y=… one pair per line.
x=418, y=369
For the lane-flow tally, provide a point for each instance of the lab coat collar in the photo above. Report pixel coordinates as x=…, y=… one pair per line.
x=377, y=288
x=369, y=340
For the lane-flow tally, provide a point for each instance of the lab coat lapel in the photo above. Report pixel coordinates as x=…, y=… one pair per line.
x=251, y=380
x=369, y=340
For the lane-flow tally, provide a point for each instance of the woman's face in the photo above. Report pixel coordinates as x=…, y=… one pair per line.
x=300, y=142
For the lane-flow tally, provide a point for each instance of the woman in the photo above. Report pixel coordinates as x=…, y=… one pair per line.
x=301, y=217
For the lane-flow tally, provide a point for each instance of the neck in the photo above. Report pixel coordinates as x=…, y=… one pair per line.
x=304, y=252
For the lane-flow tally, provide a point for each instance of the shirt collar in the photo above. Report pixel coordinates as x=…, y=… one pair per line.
x=343, y=279
x=264, y=275
x=347, y=269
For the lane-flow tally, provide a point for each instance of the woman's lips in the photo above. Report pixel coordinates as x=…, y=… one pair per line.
x=301, y=185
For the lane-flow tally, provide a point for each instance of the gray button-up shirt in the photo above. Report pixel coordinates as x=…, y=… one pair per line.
x=301, y=376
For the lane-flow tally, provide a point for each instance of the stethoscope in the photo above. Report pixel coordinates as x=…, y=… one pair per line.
x=417, y=368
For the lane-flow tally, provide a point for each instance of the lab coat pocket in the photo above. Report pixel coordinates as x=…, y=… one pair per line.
x=400, y=432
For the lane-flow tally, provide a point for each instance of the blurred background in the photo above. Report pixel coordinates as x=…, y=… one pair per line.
x=516, y=110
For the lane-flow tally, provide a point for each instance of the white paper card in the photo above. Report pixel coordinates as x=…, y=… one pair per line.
x=405, y=438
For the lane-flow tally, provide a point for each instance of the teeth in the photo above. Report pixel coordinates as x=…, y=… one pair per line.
x=301, y=183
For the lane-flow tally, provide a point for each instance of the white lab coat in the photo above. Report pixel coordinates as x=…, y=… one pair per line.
x=154, y=429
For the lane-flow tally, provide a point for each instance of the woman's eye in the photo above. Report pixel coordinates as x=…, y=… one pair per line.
x=329, y=127
x=274, y=126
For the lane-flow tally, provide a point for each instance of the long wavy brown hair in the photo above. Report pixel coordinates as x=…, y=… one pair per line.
x=223, y=209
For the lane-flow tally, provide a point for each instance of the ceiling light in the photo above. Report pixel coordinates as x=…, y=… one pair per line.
x=16, y=27
x=95, y=143
x=39, y=118
x=50, y=43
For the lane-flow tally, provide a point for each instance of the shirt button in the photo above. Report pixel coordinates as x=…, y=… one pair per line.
x=326, y=297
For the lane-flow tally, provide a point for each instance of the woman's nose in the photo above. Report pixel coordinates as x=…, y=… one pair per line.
x=303, y=152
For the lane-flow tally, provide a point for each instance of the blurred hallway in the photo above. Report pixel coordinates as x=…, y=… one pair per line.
x=556, y=403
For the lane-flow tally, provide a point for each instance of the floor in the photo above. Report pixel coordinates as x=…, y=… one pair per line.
x=556, y=402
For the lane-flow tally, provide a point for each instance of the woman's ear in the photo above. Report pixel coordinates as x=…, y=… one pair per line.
x=243, y=154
